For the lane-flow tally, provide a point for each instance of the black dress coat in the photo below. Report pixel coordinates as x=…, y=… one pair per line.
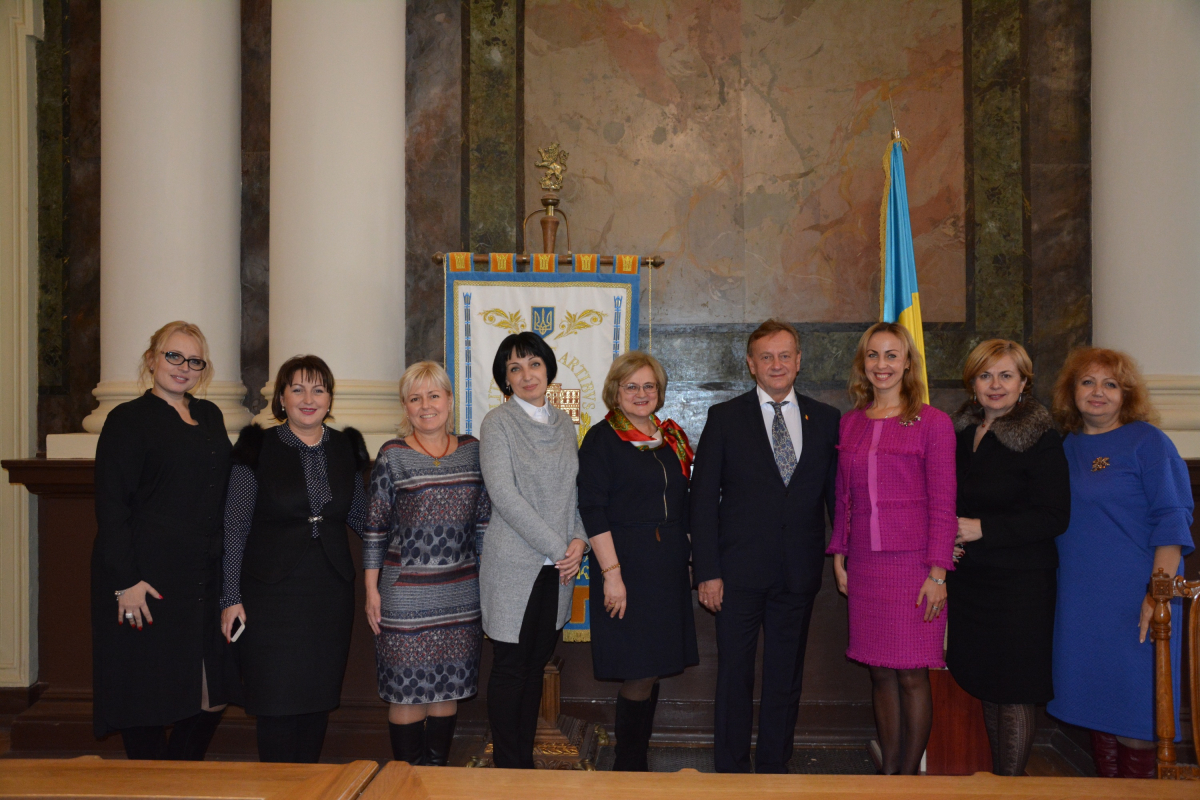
x=297, y=589
x=641, y=497
x=160, y=489
x=1000, y=609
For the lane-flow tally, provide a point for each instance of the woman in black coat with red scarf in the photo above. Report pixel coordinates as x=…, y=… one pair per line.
x=1014, y=498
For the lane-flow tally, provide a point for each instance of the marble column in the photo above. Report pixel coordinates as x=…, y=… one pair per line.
x=1146, y=199
x=337, y=200
x=170, y=190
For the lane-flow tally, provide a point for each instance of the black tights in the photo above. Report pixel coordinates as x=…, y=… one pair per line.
x=295, y=738
x=903, y=717
x=188, y=741
x=638, y=689
x=1010, y=733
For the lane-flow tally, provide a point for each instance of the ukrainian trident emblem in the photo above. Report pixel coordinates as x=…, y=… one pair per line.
x=543, y=320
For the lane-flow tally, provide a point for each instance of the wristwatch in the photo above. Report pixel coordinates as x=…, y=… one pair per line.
x=938, y=581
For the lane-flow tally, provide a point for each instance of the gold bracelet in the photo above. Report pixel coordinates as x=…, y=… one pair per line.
x=610, y=569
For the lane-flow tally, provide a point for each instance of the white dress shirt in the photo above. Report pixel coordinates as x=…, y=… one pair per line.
x=791, y=418
x=537, y=414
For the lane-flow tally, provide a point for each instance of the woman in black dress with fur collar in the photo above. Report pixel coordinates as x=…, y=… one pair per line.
x=1013, y=499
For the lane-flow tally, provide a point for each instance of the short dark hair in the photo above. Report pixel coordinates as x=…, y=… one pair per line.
x=311, y=368
x=521, y=345
x=769, y=328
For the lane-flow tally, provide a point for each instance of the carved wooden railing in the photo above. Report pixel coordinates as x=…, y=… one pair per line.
x=1164, y=588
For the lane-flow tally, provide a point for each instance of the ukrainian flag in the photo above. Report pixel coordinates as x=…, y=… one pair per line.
x=899, y=300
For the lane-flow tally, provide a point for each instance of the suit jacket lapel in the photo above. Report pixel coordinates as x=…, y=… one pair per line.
x=759, y=434
x=808, y=440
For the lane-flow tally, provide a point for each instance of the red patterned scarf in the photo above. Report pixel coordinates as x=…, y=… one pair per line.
x=672, y=434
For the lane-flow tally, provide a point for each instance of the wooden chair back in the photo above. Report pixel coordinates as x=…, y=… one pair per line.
x=1164, y=588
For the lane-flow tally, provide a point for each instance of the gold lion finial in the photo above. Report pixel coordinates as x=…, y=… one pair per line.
x=554, y=161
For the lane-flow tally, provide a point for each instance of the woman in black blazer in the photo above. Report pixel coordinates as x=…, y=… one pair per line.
x=161, y=466
x=1013, y=498
x=289, y=577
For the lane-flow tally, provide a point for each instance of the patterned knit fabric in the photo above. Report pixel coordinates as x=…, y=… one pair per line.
x=425, y=528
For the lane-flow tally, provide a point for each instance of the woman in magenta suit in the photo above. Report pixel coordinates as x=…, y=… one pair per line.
x=893, y=536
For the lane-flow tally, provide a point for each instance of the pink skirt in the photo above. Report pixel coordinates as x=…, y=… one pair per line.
x=886, y=627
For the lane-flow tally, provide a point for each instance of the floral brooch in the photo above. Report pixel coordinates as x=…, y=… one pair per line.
x=909, y=423
x=1100, y=463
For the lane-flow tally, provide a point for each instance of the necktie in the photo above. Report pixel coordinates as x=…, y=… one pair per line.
x=781, y=443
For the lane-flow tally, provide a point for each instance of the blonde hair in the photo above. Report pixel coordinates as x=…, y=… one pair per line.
x=1135, y=396
x=988, y=353
x=158, y=341
x=625, y=365
x=912, y=387
x=429, y=372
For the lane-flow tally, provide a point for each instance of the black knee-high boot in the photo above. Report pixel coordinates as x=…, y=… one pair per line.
x=439, y=735
x=408, y=742
x=633, y=725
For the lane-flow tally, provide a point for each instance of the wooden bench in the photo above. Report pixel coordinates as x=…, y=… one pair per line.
x=399, y=780
x=93, y=777
x=1163, y=588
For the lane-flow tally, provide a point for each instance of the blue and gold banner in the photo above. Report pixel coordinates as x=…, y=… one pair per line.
x=588, y=319
x=579, y=625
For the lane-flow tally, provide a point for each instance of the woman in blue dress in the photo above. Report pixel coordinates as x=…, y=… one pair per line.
x=1131, y=510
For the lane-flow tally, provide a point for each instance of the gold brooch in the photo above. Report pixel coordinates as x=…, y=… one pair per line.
x=1099, y=464
x=909, y=423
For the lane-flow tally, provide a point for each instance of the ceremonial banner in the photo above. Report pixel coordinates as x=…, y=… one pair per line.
x=587, y=319
x=899, y=300
x=543, y=262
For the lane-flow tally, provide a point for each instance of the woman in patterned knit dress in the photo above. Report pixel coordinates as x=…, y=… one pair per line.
x=893, y=536
x=426, y=517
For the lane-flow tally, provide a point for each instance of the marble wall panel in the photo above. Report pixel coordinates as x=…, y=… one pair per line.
x=256, y=200
x=494, y=59
x=742, y=140
x=433, y=165
x=71, y=267
x=1060, y=183
x=50, y=57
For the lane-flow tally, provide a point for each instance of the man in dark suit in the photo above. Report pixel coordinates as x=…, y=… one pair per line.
x=762, y=484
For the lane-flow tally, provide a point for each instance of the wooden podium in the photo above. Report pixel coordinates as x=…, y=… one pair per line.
x=561, y=742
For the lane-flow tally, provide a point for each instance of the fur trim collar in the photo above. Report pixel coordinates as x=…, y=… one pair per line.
x=1018, y=430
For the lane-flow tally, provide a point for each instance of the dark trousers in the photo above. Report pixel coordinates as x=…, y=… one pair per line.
x=515, y=686
x=783, y=617
x=294, y=738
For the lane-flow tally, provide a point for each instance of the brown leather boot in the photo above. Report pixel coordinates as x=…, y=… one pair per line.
x=1104, y=754
x=1136, y=763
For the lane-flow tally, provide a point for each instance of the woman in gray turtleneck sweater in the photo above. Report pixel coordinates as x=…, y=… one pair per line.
x=535, y=542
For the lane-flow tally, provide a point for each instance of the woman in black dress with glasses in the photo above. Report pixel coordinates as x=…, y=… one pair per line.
x=158, y=658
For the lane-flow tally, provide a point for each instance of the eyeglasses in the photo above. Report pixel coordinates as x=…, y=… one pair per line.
x=177, y=358
x=634, y=388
